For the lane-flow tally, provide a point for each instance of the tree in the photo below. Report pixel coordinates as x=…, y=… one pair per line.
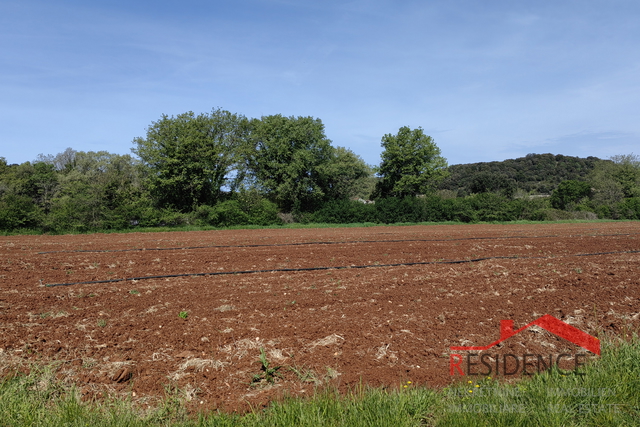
x=20, y=194
x=626, y=171
x=570, y=193
x=286, y=158
x=5, y=176
x=411, y=164
x=191, y=158
x=346, y=175
x=493, y=182
x=97, y=190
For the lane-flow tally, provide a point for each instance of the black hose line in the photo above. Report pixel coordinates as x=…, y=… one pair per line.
x=315, y=243
x=280, y=270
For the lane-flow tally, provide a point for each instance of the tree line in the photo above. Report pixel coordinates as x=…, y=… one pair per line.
x=224, y=169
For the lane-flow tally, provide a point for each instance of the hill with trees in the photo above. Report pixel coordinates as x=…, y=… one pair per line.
x=533, y=174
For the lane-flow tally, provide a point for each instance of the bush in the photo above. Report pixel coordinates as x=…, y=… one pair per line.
x=153, y=217
x=491, y=207
x=461, y=210
x=630, y=208
x=569, y=193
x=394, y=209
x=18, y=212
x=344, y=212
x=224, y=214
x=550, y=214
x=264, y=212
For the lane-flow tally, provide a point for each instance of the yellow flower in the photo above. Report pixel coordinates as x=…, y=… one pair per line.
x=477, y=385
x=470, y=382
x=470, y=391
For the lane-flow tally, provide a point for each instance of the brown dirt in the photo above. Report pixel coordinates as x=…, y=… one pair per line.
x=381, y=326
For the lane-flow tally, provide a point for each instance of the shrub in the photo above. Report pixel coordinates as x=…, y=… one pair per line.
x=344, y=212
x=630, y=208
x=18, y=212
x=264, y=212
x=228, y=213
x=569, y=193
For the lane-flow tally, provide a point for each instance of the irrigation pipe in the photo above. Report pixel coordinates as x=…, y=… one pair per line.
x=318, y=243
x=281, y=270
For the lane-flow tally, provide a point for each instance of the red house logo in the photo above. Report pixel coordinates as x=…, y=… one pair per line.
x=547, y=322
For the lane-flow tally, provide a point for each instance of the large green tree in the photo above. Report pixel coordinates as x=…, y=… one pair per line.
x=411, y=164
x=191, y=158
x=286, y=159
x=346, y=175
x=626, y=171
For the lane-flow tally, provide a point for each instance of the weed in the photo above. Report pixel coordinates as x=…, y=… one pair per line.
x=332, y=374
x=305, y=374
x=134, y=292
x=173, y=408
x=183, y=314
x=102, y=323
x=268, y=374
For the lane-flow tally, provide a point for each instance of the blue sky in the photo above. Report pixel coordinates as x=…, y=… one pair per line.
x=488, y=80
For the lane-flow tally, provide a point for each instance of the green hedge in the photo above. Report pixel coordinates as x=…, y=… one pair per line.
x=433, y=208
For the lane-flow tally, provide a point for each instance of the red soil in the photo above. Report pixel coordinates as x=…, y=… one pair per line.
x=384, y=325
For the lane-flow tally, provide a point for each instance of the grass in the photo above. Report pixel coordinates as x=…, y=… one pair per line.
x=607, y=395
x=295, y=226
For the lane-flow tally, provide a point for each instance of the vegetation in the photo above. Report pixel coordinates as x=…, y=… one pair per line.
x=411, y=164
x=268, y=373
x=532, y=174
x=189, y=158
x=607, y=394
x=222, y=169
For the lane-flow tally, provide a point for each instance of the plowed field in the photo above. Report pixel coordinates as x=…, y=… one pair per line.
x=141, y=313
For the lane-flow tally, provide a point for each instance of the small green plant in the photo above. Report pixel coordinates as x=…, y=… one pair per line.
x=183, y=314
x=305, y=374
x=134, y=292
x=102, y=323
x=268, y=374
